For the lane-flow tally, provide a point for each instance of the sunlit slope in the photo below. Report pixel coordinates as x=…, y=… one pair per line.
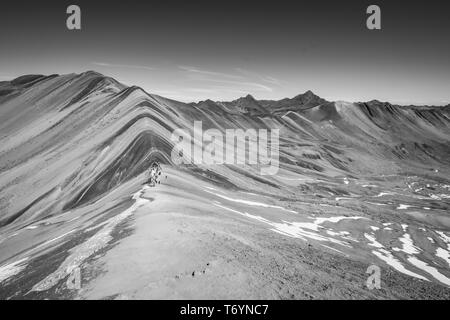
x=67, y=140
x=358, y=184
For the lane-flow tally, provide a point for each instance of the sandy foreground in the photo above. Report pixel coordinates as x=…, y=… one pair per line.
x=189, y=239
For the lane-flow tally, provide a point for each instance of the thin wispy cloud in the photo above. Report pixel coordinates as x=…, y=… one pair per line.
x=6, y=77
x=271, y=80
x=128, y=66
x=264, y=78
x=244, y=84
x=207, y=72
x=201, y=90
x=229, y=89
x=215, y=90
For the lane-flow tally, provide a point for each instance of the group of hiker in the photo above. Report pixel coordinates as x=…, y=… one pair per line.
x=154, y=173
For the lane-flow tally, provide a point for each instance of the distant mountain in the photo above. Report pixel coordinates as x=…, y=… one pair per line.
x=381, y=104
x=247, y=105
x=300, y=102
x=23, y=82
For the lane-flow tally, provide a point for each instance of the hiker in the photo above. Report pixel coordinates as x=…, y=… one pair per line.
x=154, y=173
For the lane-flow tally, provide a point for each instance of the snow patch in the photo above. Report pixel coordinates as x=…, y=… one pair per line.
x=11, y=269
x=387, y=257
x=429, y=269
x=408, y=245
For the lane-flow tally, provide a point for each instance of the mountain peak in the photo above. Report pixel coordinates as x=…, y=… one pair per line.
x=247, y=104
x=247, y=99
x=92, y=73
x=308, y=98
x=308, y=95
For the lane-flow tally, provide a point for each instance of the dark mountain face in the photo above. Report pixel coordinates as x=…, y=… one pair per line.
x=247, y=105
x=321, y=108
x=308, y=98
x=20, y=83
x=300, y=102
x=250, y=106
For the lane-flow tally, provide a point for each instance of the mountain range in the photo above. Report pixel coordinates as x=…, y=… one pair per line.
x=358, y=183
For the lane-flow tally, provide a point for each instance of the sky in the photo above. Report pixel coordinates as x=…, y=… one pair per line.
x=222, y=50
